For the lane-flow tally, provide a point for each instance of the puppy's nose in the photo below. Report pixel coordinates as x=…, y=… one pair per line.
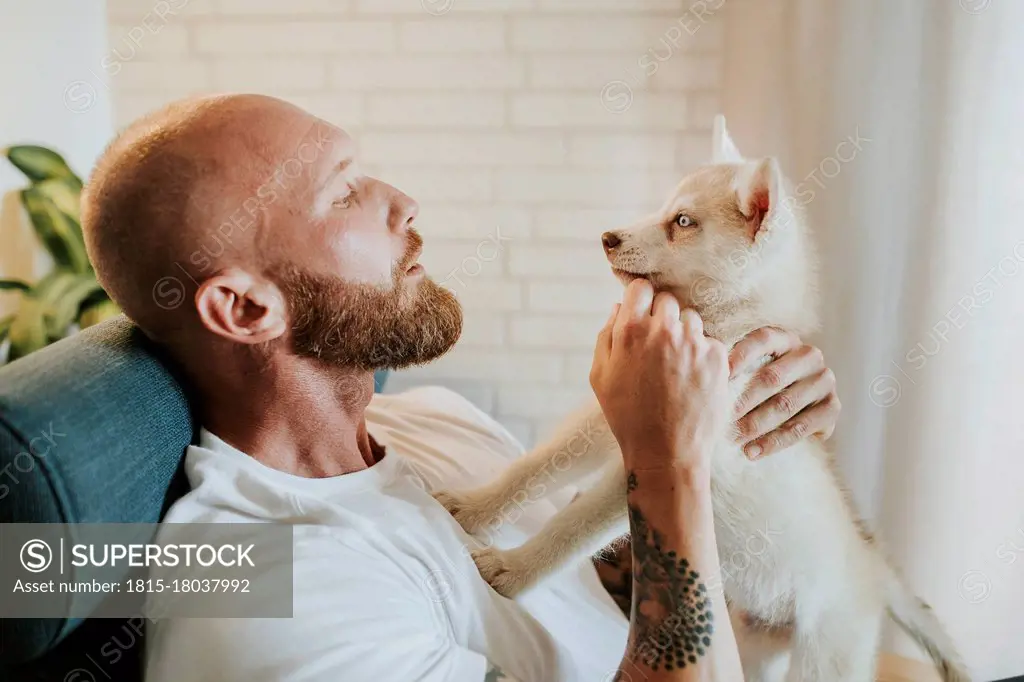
x=610, y=240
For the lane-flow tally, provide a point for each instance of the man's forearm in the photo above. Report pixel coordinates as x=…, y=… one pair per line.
x=679, y=626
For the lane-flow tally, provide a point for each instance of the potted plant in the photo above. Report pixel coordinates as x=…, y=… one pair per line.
x=69, y=297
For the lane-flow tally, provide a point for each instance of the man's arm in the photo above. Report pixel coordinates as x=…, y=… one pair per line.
x=810, y=407
x=679, y=625
x=663, y=387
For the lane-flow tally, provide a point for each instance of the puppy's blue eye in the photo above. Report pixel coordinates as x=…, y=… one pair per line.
x=683, y=220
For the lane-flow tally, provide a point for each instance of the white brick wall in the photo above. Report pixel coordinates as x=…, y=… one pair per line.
x=495, y=115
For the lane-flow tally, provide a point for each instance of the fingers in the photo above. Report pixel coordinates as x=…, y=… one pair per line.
x=666, y=308
x=770, y=380
x=817, y=420
x=637, y=300
x=693, y=326
x=636, y=304
x=758, y=343
x=780, y=410
x=820, y=419
x=719, y=354
x=604, y=337
x=603, y=347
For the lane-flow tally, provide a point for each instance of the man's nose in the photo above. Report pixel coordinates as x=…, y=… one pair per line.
x=404, y=210
x=610, y=241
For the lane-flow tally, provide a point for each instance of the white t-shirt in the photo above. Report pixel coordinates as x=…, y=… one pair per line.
x=384, y=589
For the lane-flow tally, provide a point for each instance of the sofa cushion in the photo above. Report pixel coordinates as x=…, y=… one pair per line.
x=92, y=429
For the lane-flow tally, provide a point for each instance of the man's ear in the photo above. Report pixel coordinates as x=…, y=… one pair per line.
x=240, y=307
x=758, y=186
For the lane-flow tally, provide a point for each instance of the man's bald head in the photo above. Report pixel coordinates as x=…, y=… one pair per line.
x=238, y=223
x=158, y=208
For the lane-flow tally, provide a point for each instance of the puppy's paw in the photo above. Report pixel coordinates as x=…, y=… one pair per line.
x=502, y=571
x=471, y=512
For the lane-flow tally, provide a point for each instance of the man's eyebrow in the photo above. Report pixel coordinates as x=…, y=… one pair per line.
x=335, y=172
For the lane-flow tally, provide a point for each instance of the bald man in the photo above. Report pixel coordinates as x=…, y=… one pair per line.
x=241, y=235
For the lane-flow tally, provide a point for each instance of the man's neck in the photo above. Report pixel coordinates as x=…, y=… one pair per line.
x=294, y=415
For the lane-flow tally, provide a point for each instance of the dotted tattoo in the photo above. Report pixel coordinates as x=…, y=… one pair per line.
x=671, y=614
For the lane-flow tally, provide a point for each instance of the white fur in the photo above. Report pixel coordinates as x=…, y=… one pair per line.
x=792, y=554
x=723, y=149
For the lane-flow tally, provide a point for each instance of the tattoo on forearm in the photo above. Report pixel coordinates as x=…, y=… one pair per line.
x=614, y=567
x=671, y=612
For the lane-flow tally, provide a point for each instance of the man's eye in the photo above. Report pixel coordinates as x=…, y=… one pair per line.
x=683, y=220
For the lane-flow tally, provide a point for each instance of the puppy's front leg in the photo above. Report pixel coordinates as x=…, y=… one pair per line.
x=580, y=530
x=581, y=446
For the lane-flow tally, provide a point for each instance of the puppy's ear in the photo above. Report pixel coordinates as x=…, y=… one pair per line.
x=759, y=190
x=723, y=149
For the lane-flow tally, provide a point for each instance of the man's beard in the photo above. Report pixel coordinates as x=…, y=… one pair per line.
x=367, y=327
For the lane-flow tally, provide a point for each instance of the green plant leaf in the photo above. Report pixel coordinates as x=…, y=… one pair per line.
x=49, y=290
x=28, y=330
x=39, y=163
x=95, y=298
x=98, y=312
x=60, y=294
x=65, y=195
x=61, y=235
x=8, y=284
x=61, y=313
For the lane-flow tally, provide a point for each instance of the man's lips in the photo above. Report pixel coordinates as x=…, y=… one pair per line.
x=411, y=261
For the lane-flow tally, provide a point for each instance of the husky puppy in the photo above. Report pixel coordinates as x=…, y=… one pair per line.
x=730, y=243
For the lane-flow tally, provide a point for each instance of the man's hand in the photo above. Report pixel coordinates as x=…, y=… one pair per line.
x=663, y=388
x=791, y=398
x=661, y=383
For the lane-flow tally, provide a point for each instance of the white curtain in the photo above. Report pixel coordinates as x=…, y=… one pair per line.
x=921, y=235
